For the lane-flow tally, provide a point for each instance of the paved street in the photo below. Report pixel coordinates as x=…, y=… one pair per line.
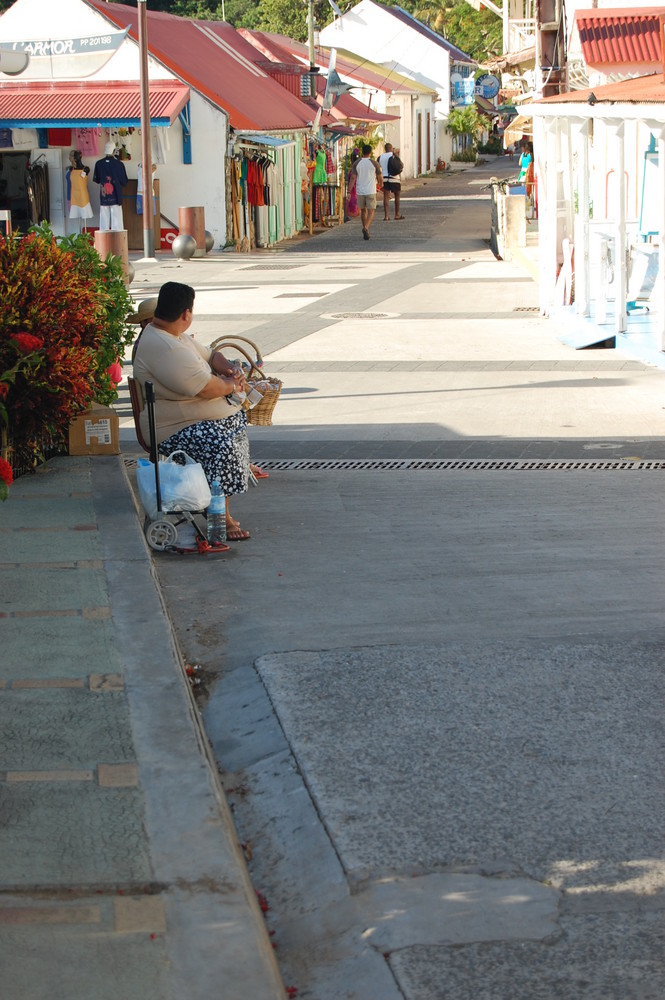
x=433, y=677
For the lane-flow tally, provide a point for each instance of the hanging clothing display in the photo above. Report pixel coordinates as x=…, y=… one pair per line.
x=320, y=172
x=87, y=140
x=59, y=137
x=25, y=138
x=37, y=192
x=111, y=176
x=160, y=144
x=319, y=177
x=77, y=193
x=78, y=198
x=139, y=191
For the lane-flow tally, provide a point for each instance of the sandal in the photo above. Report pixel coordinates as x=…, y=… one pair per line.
x=237, y=535
x=400, y=216
x=258, y=472
x=234, y=532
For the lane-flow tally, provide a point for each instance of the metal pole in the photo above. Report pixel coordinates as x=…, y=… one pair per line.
x=146, y=149
x=310, y=36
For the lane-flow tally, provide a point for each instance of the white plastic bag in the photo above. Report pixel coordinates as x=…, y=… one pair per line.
x=182, y=487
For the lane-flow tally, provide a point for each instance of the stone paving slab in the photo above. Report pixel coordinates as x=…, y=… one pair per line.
x=55, y=478
x=100, y=959
x=58, y=545
x=69, y=646
x=53, y=729
x=70, y=833
x=53, y=513
x=48, y=589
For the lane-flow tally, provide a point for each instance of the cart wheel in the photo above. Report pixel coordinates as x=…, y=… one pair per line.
x=161, y=535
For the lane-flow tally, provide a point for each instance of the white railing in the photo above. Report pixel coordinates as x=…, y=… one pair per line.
x=522, y=33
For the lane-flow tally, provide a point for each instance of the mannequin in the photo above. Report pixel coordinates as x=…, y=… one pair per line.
x=77, y=188
x=111, y=176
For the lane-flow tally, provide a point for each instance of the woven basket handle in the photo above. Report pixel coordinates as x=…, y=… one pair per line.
x=216, y=344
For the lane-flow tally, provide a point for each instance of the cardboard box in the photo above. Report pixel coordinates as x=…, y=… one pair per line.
x=95, y=432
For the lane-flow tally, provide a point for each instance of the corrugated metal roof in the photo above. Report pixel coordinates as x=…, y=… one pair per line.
x=620, y=37
x=640, y=90
x=349, y=66
x=85, y=104
x=217, y=62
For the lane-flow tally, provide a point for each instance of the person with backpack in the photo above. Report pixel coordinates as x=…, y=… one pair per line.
x=392, y=167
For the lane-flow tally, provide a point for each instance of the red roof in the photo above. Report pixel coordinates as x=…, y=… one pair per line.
x=218, y=63
x=626, y=37
x=111, y=103
x=640, y=90
x=282, y=49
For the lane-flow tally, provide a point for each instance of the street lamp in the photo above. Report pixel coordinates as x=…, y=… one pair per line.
x=146, y=150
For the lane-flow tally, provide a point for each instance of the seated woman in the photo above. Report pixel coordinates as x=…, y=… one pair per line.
x=192, y=384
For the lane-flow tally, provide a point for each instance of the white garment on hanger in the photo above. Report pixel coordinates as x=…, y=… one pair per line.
x=160, y=143
x=25, y=138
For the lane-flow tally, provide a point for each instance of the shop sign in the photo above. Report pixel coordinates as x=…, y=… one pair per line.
x=462, y=88
x=167, y=238
x=487, y=86
x=67, y=58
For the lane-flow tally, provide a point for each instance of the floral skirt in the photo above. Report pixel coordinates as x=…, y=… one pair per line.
x=222, y=448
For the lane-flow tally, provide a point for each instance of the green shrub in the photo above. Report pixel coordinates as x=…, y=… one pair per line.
x=63, y=314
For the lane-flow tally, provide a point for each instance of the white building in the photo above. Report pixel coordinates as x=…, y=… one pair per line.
x=396, y=40
x=600, y=163
x=84, y=74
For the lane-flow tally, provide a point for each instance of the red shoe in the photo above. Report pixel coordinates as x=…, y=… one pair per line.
x=258, y=472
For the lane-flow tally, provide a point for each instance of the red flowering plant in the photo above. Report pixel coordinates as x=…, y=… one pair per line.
x=63, y=323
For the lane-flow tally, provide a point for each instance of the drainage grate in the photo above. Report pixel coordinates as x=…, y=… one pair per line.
x=301, y=295
x=271, y=267
x=463, y=465
x=526, y=309
x=360, y=315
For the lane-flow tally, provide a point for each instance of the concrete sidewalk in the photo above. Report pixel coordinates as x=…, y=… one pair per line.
x=121, y=875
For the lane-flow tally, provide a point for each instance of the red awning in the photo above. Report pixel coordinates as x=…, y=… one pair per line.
x=88, y=105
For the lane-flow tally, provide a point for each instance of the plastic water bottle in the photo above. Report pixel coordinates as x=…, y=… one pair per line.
x=216, y=515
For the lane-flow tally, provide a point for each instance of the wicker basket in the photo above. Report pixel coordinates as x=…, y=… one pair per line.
x=221, y=342
x=269, y=387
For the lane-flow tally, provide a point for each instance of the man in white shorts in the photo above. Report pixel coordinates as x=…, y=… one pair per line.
x=365, y=174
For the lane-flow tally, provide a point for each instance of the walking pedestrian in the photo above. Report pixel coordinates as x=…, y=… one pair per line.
x=392, y=184
x=365, y=176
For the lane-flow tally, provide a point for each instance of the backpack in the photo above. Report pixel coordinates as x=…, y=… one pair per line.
x=395, y=166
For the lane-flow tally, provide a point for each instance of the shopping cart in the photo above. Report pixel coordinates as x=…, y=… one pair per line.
x=161, y=532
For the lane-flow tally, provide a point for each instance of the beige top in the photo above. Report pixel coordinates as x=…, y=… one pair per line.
x=178, y=369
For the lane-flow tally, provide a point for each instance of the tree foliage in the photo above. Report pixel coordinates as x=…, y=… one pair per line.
x=479, y=33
